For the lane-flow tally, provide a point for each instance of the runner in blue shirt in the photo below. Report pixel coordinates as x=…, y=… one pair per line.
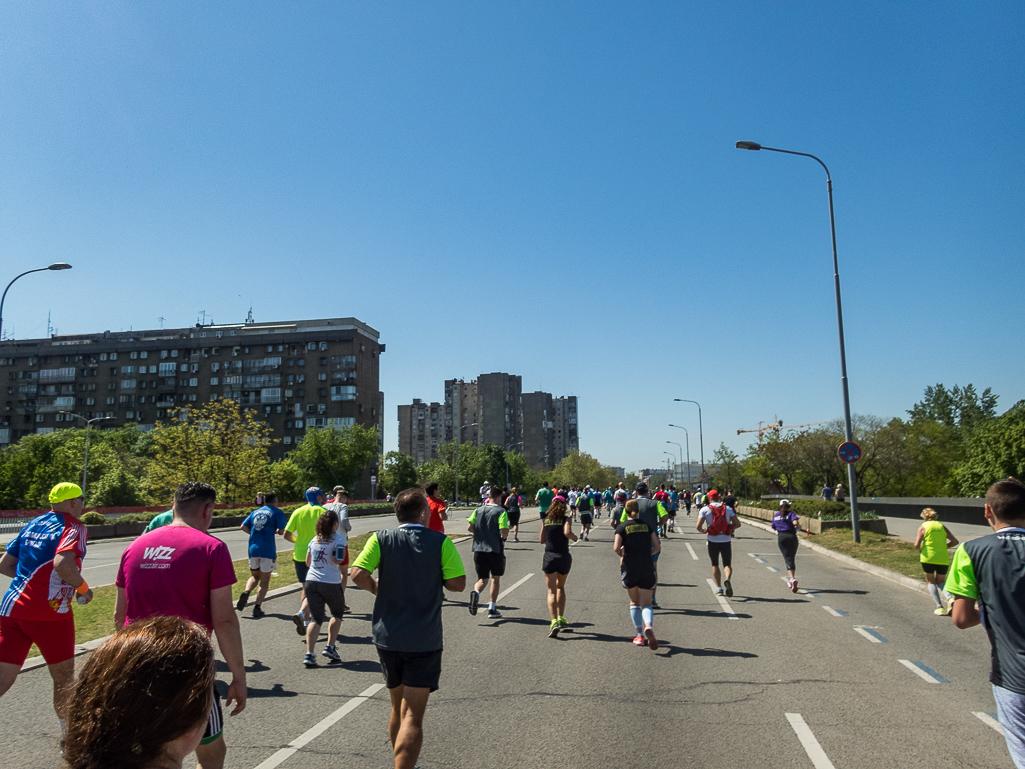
x=261, y=525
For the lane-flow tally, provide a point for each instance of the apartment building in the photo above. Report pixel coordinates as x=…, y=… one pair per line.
x=462, y=411
x=565, y=437
x=295, y=374
x=421, y=429
x=538, y=438
x=499, y=398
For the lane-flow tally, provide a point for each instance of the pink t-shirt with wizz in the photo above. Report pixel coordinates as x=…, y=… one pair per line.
x=171, y=571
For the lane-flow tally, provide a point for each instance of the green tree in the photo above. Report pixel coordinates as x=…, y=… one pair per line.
x=335, y=455
x=285, y=480
x=580, y=469
x=993, y=451
x=729, y=470
x=398, y=472
x=440, y=472
x=116, y=488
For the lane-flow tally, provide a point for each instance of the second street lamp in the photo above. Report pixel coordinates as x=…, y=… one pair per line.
x=686, y=432
x=680, y=447
x=701, y=438
x=848, y=431
x=85, y=464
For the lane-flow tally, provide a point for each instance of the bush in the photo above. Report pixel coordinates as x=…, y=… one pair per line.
x=830, y=511
x=93, y=519
x=137, y=518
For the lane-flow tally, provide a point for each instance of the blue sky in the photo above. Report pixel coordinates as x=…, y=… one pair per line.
x=548, y=189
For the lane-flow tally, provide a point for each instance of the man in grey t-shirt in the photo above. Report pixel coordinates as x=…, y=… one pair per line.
x=489, y=525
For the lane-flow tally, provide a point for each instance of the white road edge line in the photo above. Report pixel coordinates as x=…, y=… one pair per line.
x=924, y=675
x=818, y=756
x=722, y=601
x=508, y=590
x=304, y=739
x=989, y=721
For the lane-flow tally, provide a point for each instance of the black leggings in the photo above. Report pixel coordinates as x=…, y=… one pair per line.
x=787, y=541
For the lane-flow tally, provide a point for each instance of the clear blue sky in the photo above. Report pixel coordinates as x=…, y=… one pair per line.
x=548, y=189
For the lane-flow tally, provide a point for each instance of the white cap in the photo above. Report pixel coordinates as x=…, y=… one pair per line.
x=784, y=502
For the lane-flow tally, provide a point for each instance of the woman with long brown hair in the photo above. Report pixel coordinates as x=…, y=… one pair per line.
x=556, y=533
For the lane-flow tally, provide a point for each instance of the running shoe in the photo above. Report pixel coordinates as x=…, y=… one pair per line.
x=494, y=614
x=939, y=611
x=309, y=660
x=649, y=634
x=793, y=586
x=563, y=622
x=257, y=611
x=719, y=591
x=300, y=626
x=729, y=588
x=331, y=653
x=553, y=629
x=654, y=603
x=242, y=601
x=474, y=602
x=640, y=641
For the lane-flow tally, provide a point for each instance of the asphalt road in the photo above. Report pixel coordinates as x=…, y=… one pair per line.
x=716, y=694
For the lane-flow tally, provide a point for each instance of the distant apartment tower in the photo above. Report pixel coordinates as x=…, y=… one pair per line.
x=499, y=409
x=421, y=429
x=538, y=415
x=565, y=438
x=462, y=410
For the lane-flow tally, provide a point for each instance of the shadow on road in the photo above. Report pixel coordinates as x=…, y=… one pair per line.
x=706, y=652
x=747, y=598
x=699, y=613
x=842, y=592
x=277, y=690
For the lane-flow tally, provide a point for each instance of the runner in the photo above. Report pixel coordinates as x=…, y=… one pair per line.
x=933, y=538
x=636, y=544
x=438, y=507
x=340, y=506
x=45, y=564
x=786, y=523
x=414, y=565
x=512, y=507
x=652, y=513
x=300, y=530
x=586, y=519
x=688, y=500
x=719, y=522
x=182, y=571
x=544, y=499
x=571, y=498
x=556, y=534
x=261, y=525
x=324, y=561
x=489, y=525
x=616, y=514
x=160, y=519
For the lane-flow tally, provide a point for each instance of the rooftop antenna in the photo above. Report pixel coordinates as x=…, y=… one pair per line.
x=249, y=317
x=49, y=328
x=161, y=319
x=202, y=317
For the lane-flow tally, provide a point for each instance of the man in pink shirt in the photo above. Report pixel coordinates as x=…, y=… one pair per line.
x=180, y=570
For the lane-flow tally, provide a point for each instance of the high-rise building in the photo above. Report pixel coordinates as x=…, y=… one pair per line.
x=538, y=415
x=294, y=374
x=499, y=411
x=462, y=411
x=421, y=430
x=566, y=438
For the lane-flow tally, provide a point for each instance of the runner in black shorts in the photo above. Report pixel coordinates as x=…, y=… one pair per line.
x=556, y=534
x=636, y=544
x=512, y=507
x=586, y=519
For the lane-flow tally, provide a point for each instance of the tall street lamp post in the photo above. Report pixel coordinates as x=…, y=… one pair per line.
x=687, y=436
x=88, y=425
x=672, y=458
x=459, y=439
x=518, y=443
x=701, y=437
x=848, y=431
x=680, y=447
x=54, y=266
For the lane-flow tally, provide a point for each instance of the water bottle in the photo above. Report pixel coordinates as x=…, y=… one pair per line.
x=81, y=600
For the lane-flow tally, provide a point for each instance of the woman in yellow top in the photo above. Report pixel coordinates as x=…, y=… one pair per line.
x=934, y=539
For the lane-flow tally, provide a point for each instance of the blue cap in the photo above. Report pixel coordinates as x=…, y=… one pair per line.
x=312, y=493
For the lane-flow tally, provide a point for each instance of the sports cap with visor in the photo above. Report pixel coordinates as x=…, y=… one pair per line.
x=62, y=492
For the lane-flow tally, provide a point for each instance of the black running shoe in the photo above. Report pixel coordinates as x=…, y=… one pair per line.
x=474, y=602
x=243, y=599
x=257, y=611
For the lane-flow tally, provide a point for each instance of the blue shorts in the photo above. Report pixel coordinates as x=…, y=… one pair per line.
x=654, y=557
x=1011, y=712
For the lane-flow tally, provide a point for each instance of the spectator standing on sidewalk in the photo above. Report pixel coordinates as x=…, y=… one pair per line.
x=839, y=492
x=987, y=580
x=414, y=565
x=827, y=492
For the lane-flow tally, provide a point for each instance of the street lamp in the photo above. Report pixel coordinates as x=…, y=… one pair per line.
x=701, y=437
x=459, y=438
x=680, y=447
x=687, y=435
x=54, y=266
x=672, y=458
x=518, y=443
x=848, y=431
x=88, y=424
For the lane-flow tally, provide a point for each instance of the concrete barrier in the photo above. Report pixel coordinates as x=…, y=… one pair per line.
x=814, y=525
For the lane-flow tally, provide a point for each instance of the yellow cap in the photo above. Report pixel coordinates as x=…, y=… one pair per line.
x=64, y=491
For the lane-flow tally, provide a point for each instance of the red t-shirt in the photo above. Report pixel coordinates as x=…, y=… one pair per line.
x=437, y=507
x=171, y=571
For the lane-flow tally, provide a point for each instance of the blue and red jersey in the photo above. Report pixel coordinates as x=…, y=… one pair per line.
x=37, y=591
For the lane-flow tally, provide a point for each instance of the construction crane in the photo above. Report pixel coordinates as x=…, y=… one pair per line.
x=778, y=425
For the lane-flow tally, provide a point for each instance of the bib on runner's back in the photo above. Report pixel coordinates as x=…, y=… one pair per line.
x=720, y=521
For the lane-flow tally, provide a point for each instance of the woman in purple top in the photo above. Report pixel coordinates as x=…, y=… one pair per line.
x=786, y=523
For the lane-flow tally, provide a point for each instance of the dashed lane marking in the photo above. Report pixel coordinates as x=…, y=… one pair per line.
x=772, y=569
x=691, y=549
x=818, y=756
x=307, y=737
x=924, y=672
x=871, y=634
x=508, y=590
x=722, y=600
x=757, y=557
x=990, y=720
x=836, y=612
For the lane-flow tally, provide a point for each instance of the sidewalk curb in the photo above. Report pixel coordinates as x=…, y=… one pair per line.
x=871, y=568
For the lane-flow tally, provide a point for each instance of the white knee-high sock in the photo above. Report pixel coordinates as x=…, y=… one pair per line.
x=934, y=591
x=635, y=617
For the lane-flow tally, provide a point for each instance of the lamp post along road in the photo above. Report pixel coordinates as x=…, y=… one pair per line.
x=701, y=438
x=518, y=443
x=680, y=447
x=54, y=266
x=85, y=464
x=687, y=435
x=848, y=430
x=459, y=440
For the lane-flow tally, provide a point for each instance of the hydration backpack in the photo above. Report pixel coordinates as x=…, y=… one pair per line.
x=720, y=521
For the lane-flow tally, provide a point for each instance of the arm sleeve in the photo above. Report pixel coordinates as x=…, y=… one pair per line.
x=14, y=546
x=451, y=563
x=473, y=517
x=223, y=572
x=292, y=524
x=961, y=577
x=248, y=522
x=370, y=558
x=280, y=522
x=503, y=521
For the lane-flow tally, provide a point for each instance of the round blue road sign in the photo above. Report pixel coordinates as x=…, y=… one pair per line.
x=849, y=452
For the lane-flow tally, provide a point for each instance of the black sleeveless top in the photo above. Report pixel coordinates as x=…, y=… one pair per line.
x=556, y=540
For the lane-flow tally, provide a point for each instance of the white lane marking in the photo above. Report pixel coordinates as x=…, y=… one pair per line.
x=508, y=590
x=304, y=739
x=722, y=601
x=836, y=612
x=818, y=756
x=924, y=672
x=757, y=557
x=989, y=721
x=691, y=549
x=870, y=634
x=772, y=569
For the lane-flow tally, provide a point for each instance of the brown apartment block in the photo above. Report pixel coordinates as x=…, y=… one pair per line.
x=295, y=374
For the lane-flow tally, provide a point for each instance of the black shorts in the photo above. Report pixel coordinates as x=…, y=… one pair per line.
x=935, y=568
x=723, y=550
x=215, y=722
x=421, y=670
x=556, y=563
x=643, y=580
x=544, y=514
x=301, y=570
x=489, y=565
x=321, y=594
x=586, y=519
x=514, y=518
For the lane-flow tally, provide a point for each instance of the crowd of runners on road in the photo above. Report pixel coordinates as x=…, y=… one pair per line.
x=146, y=698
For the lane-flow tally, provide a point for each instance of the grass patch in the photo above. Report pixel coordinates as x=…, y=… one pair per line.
x=883, y=550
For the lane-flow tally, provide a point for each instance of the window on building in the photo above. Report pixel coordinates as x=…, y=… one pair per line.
x=311, y=346
x=287, y=440
x=322, y=377
x=127, y=384
x=214, y=381
x=103, y=356
x=143, y=354
x=110, y=401
x=298, y=424
x=194, y=382
x=133, y=355
x=343, y=393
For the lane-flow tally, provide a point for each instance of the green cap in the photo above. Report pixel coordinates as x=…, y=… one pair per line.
x=62, y=492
